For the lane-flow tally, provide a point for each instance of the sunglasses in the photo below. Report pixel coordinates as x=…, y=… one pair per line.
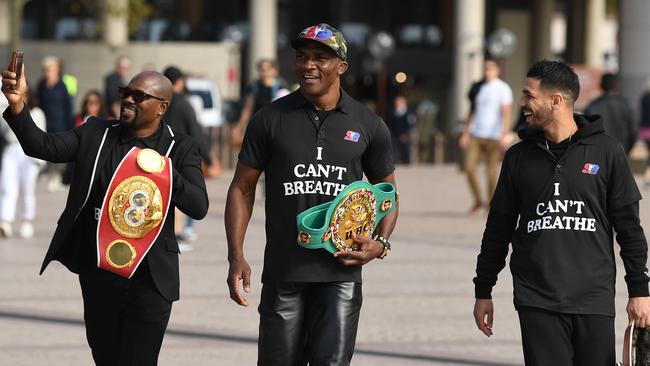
x=138, y=95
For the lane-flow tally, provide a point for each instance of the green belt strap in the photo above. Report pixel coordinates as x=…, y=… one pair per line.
x=357, y=208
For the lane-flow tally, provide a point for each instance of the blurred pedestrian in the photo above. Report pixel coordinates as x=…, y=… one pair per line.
x=181, y=116
x=310, y=301
x=56, y=103
x=261, y=92
x=644, y=131
x=615, y=111
x=205, y=99
x=91, y=105
x=127, y=261
x=3, y=142
x=562, y=192
x=18, y=177
x=486, y=132
x=70, y=81
x=401, y=122
x=113, y=81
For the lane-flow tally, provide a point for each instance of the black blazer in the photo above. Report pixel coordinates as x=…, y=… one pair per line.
x=88, y=146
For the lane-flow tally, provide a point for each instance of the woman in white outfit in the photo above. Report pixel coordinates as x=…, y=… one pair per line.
x=18, y=179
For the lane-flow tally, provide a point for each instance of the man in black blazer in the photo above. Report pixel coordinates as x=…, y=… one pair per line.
x=125, y=318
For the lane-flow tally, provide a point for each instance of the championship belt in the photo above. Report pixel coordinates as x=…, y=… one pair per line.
x=135, y=205
x=357, y=209
x=636, y=346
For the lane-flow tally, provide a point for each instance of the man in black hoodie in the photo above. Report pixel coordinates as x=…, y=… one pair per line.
x=562, y=192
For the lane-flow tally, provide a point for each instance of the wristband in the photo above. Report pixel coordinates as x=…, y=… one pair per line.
x=383, y=242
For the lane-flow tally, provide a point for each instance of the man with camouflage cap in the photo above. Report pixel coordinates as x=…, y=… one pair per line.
x=310, y=145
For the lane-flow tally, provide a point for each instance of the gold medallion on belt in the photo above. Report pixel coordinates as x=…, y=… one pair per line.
x=135, y=207
x=356, y=213
x=150, y=161
x=120, y=253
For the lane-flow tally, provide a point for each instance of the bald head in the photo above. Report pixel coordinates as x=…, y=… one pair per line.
x=143, y=114
x=154, y=83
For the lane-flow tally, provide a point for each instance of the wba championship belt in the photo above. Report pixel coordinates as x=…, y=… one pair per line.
x=135, y=205
x=636, y=346
x=358, y=208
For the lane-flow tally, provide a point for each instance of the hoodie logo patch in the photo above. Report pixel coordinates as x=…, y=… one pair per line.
x=590, y=168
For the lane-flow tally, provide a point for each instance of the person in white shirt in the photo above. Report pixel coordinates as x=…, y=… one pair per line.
x=18, y=178
x=487, y=130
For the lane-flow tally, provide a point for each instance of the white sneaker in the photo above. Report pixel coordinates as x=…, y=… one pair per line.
x=185, y=247
x=5, y=229
x=26, y=230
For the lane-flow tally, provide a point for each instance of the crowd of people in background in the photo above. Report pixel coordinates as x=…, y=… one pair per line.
x=486, y=133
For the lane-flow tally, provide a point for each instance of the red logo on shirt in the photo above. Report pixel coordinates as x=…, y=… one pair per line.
x=590, y=168
x=352, y=136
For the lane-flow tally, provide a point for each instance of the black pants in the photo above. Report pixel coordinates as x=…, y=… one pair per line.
x=313, y=323
x=557, y=339
x=125, y=319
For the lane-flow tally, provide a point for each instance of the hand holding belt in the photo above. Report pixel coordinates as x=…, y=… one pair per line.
x=358, y=208
x=136, y=203
x=636, y=346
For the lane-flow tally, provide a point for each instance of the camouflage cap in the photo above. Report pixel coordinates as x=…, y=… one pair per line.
x=327, y=35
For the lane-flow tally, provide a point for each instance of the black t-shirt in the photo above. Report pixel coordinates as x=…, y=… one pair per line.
x=563, y=256
x=306, y=163
x=87, y=227
x=322, y=116
x=558, y=149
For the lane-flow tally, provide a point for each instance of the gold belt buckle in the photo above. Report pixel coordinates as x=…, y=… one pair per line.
x=135, y=207
x=355, y=214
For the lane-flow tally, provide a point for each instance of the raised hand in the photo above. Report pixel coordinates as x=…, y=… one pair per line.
x=15, y=97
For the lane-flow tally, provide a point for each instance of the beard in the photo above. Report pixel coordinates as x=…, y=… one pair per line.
x=540, y=119
x=124, y=118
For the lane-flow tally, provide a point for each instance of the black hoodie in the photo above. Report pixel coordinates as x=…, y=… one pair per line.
x=563, y=202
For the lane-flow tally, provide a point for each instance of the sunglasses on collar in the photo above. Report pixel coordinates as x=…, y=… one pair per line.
x=138, y=95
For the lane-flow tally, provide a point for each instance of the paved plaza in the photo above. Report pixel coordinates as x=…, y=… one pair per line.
x=417, y=303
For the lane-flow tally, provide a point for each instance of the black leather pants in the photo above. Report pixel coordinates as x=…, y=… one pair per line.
x=313, y=323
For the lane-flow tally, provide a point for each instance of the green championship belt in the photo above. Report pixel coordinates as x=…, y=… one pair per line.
x=358, y=208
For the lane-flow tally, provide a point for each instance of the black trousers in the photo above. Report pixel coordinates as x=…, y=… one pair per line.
x=558, y=339
x=125, y=319
x=313, y=323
